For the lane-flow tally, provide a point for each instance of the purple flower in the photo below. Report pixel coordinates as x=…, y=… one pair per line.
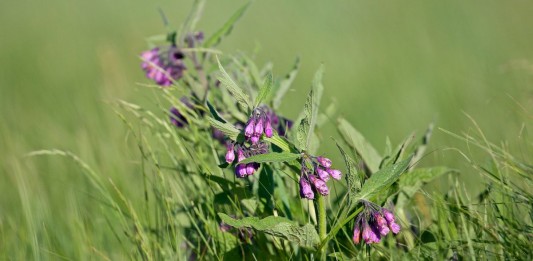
x=268, y=129
x=322, y=174
x=250, y=168
x=325, y=162
x=230, y=154
x=356, y=233
x=335, y=173
x=258, y=130
x=319, y=185
x=163, y=65
x=249, y=130
x=375, y=222
x=305, y=189
x=240, y=171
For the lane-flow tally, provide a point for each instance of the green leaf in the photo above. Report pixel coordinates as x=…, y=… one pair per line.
x=264, y=91
x=382, y=179
x=285, y=84
x=215, y=113
x=305, y=236
x=306, y=127
x=226, y=28
x=358, y=142
x=226, y=128
x=414, y=180
x=272, y=157
x=281, y=142
x=352, y=177
x=232, y=87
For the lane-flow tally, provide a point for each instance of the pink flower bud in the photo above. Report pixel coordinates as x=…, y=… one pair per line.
x=240, y=155
x=325, y=162
x=250, y=169
x=356, y=234
x=322, y=174
x=268, y=129
x=320, y=185
x=305, y=189
x=381, y=224
x=335, y=173
x=394, y=227
x=249, y=130
x=258, y=127
x=255, y=138
x=388, y=215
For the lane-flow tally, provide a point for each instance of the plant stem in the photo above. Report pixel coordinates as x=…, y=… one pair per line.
x=322, y=224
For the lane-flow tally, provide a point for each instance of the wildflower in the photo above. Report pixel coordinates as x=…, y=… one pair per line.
x=243, y=152
x=305, y=189
x=373, y=223
x=316, y=172
x=263, y=121
x=163, y=65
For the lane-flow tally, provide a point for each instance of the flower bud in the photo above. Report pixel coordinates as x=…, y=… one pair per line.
x=394, y=227
x=250, y=169
x=258, y=127
x=322, y=174
x=240, y=155
x=335, y=173
x=325, y=162
x=320, y=185
x=356, y=234
x=249, y=130
x=255, y=138
x=381, y=224
x=305, y=189
x=370, y=236
x=268, y=129
x=230, y=154
x=388, y=215
x=240, y=171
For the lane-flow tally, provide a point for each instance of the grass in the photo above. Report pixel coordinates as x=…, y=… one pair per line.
x=391, y=68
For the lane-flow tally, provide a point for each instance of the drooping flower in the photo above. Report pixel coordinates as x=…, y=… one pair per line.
x=316, y=170
x=374, y=222
x=243, y=151
x=305, y=189
x=163, y=65
x=263, y=121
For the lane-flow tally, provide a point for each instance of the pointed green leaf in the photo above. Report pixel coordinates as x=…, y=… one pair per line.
x=285, y=84
x=358, y=142
x=226, y=28
x=306, y=127
x=382, y=179
x=215, y=113
x=305, y=236
x=415, y=179
x=271, y=157
x=281, y=142
x=352, y=177
x=232, y=87
x=226, y=128
x=264, y=91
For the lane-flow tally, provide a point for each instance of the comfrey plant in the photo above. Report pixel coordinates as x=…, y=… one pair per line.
x=232, y=159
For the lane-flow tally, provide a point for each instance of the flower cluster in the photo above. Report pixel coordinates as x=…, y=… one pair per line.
x=264, y=121
x=373, y=223
x=242, y=152
x=315, y=172
x=163, y=65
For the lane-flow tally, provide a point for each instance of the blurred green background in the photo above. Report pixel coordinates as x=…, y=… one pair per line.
x=391, y=67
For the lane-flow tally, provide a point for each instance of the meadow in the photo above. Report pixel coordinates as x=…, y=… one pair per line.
x=391, y=69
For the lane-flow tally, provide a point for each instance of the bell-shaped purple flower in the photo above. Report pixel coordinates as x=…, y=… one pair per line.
x=394, y=227
x=335, y=173
x=370, y=236
x=249, y=130
x=258, y=130
x=356, y=233
x=240, y=171
x=325, y=162
x=240, y=155
x=319, y=185
x=268, y=129
x=322, y=174
x=305, y=189
x=381, y=224
x=250, y=169
x=230, y=154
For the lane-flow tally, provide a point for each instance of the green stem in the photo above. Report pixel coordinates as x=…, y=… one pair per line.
x=336, y=229
x=322, y=224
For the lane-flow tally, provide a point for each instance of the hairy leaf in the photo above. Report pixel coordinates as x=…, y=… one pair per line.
x=306, y=127
x=382, y=179
x=305, y=236
x=264, y=91
x=357, y=141
x=279, y=141
x=352, y=177
x=271, y=157
x=226, y=128
x=232, y=87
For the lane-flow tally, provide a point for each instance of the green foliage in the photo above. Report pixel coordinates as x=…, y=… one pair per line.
x=272, y=157
x=305, y=130
x=305, y=236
